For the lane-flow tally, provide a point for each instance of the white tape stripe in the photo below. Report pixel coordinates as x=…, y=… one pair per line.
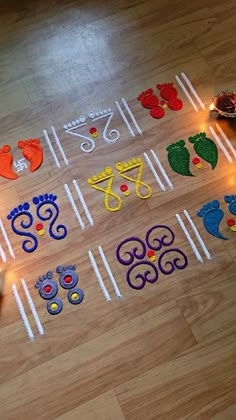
x=109, y=272
x=132, y=116
x=220, y=144
x=22, y=312
x=32, y=307
x=82, y=200
x=191, y=243
x=74, y=207
x=227, y=141
x=198, y=236
x=99, y=277
x=161, y=169
x=7, y=240
x=186, y=93
x=125, y=119
x=59, y=145
x=156, y=176
x=194, y=92
x=51, y=148
x=2, y=254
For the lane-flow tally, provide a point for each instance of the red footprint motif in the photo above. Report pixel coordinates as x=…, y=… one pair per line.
x=33, y=152
x=151, y=101
x=6, y=160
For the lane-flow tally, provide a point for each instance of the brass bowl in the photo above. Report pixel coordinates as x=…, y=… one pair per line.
x=218, y=98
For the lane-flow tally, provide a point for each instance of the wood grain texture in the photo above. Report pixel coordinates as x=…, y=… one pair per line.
x=166, y=351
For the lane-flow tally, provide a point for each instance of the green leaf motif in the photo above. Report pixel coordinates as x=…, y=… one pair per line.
x=205, y=148
x=179, y=158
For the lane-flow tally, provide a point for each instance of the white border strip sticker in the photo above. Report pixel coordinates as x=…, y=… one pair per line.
x=125, y=119
x=198, y=236
x=7, y=240
x=220, y=144
x=32, y=307
x=109, y=272
x=22, y=312
x=74, y=207
x=2, y=254
x=156, y=176
x=51, y=148
x=132, y=116
x=161, y=169
x=186, y=93
x=227, y=141
x=191, y=242
x=82, y=200
x=59, y=145
x=99, y=277
x=187, y=81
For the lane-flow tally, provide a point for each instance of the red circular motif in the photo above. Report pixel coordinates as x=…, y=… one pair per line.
x=47, y=289
x=196, y=160
x=175, y=104
x=150, y=101
x=230, y=222
x=169, y=92
x=68, y=279
x=39, y=226
x=163, y=102
x=93, y=130
x=150, y=253
x=157, y=112
x=123, y=188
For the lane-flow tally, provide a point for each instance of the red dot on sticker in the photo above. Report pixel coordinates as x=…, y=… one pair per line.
x=150, y=253
x=196, y=161
x=47, y=289
x=39, y=226
x=230, y=222
x=68, y=279
x=123, y=188
x=93, y=130
x=163, y=102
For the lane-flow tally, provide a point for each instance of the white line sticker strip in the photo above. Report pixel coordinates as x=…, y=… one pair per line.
x=2, y=254
x=194, y=92
x=32, y=307
x=227, y=141
x=109, y=272
x=82, y=200
x=220, y=144
x=132, y=116
x=22, y=312
x=198, y=236
x=161, y=169
x=125, y=119
x=156, y=176
x=74, y=207
x=186, y=93
x=99, y=277
x=51, y=148
x=7, y=240
x=59, y=145
x=191, y=242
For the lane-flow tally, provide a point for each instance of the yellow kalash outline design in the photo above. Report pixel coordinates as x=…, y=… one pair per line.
x=107, y=174
x=123, y=167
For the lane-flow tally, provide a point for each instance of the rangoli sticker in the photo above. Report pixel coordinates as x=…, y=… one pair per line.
x=33, y=152
x=205, y=148
x=179, y=158
x=212, y=216
x=143, y=260
x=6, y=161
x=124, y=167
x=106, y=175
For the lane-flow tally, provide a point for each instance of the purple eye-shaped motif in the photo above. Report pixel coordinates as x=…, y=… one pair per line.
x=55, y=306
x=75, y=296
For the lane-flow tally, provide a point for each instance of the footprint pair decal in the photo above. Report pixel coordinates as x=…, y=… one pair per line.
x=31, y=150
x=213, y=215
x=179, y=156
x=22, y=221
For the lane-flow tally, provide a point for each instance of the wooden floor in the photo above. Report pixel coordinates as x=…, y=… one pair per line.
x=166, y=351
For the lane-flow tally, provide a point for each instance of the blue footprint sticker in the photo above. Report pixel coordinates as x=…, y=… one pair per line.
x=212, y=216
x=231, y=200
